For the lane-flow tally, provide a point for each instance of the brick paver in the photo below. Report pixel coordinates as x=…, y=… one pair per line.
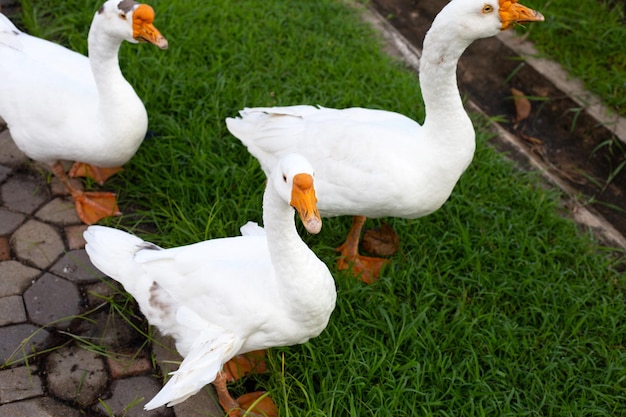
x=47, y=285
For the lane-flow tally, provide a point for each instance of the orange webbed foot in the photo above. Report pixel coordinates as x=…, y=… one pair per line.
x=257, y=403
x=380, y=241
x=98, y=174
x=365, y=268
x=94, y=206
x=90, y=206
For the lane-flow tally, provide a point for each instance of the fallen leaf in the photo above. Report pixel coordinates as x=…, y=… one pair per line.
x=264, y=407
x=536, y=145
x=242, y=365
x=383, y=241
x=531, y=139
x=522, y=105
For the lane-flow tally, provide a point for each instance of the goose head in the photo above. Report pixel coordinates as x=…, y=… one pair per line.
x=476, y=19
x=293, y=180
x=130, y=21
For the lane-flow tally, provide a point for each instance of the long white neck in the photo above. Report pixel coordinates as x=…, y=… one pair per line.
x=445, y=114
x=301, y=276
x=119, y=106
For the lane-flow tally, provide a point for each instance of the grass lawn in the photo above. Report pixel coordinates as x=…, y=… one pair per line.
x=588, y=39
x=495, y=305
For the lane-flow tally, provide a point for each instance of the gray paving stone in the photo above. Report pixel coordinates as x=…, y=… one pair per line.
x=37, y=243
x=15, y=278
x=165, y=353
x=129, y=395
x=38, y=407
x=52, y=301
x=98, y=292
x=19, y=384
x=60, y=211
x=20, y=340
x=202, y=404
x=75, y=266
x=4, y=172
x=24, y=193
x=10, y=155
x=76, y=374
x=12, y=310
x=110, y=330
x=10, y=220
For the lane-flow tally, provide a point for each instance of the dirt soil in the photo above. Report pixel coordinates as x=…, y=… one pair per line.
x=571, y=144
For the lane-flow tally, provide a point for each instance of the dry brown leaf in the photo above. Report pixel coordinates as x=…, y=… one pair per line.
x=522, y=105
x=533, y=140
x=383, y=241
x=536, y=145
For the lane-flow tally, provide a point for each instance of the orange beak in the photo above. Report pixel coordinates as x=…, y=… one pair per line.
x=512, y=13
x=144, y=30
x=303, y=199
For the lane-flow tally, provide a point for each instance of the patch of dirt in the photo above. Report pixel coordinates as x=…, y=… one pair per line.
x=572, y=145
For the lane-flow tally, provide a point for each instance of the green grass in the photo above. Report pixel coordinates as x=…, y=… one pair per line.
x=495, y=305
x=587, y=37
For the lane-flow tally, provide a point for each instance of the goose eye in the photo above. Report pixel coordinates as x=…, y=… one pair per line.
x=487, y=8
x=284, y=178
x=122, y=16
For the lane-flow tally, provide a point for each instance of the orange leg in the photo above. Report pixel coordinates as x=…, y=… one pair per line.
x=234, y=408
x=368, y=267
x=241, y=365
x=90, y=206
x=223, y=396
x=98, y=174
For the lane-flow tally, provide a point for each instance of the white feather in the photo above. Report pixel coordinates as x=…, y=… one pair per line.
x=61, y=105
x=223, y=297
x=379, y=163
x=252, y=229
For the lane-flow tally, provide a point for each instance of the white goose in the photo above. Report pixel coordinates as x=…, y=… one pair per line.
x=61, y=105
x=378, y=163
x=223, y=297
